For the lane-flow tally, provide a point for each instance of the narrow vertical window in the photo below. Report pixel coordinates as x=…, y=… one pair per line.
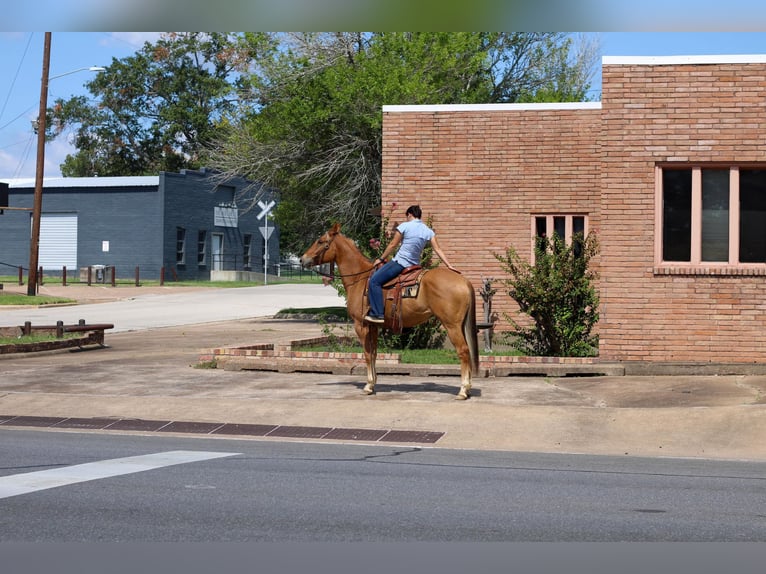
x=180, y=245
x=248, y=244
x=201, y=247
x=715, y=215
x=752, y=216
x=559, y=226
x=676, y=214
x=578, y=234
x=541, y=232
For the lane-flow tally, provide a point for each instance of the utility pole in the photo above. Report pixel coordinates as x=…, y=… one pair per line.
x=34, y=243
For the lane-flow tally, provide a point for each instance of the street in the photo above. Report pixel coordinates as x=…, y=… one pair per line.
x=268, y=491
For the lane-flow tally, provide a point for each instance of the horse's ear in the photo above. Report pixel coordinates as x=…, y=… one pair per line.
x=335, y=229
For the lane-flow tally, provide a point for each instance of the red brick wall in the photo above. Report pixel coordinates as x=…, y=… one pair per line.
x=481, y=174
x=662, y=113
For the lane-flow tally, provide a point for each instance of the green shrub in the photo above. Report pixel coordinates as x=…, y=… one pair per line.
x=558, y=294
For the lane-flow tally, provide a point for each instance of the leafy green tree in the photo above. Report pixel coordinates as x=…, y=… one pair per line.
x=558, y=294
x=154, y=110
x=315, y=133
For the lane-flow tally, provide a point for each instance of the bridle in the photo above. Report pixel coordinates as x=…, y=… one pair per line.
x=332, y=275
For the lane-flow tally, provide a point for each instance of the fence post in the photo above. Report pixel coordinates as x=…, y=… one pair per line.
x=138, y=283
x=90, y=274
x=114, y=270
x=21, y=275
x=59, y=329
x=162, y=276
x=27, y=330
x=63, y=276
x=40, y=276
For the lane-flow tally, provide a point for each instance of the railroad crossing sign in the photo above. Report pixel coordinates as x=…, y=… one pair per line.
x=265, y=208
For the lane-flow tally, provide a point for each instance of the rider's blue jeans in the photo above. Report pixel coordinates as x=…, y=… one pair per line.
x=379, y=278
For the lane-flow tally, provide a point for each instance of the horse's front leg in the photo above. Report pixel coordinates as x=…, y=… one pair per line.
x=368, y=337
x=370, y=343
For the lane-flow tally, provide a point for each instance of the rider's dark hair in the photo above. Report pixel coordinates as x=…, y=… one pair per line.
x=415, y=211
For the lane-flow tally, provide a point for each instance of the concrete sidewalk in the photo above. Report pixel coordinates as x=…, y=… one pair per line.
x=149, y=375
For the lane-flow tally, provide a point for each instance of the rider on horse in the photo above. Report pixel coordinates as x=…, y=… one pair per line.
x=412, y=235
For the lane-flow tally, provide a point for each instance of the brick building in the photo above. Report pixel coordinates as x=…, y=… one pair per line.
x=669, y=170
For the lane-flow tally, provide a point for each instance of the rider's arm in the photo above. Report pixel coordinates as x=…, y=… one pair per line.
x=440, y=253
x=395, y=241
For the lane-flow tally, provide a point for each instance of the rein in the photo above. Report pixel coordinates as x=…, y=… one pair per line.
x=333, y=275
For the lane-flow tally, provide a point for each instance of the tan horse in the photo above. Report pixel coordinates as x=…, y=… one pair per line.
x=443, y=293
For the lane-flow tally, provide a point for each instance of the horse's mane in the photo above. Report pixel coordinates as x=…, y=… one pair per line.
x=352, y=244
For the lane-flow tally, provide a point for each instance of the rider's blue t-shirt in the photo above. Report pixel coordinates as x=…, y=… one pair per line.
x=415, y=235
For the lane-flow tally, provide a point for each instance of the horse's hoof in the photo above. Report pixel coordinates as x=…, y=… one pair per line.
x=461, y=396
x=368, y=391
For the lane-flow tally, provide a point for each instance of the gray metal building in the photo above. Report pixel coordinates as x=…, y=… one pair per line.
x=190, y=224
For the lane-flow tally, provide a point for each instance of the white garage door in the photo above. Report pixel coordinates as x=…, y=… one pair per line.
x=58, y=241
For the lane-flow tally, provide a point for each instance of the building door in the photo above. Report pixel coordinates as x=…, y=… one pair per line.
x=217, y=251
x=58, y=241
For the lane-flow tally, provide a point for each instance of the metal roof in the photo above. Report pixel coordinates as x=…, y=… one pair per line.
x=70, y=182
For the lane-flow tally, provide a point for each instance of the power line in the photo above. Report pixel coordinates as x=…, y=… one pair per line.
x=13, y=83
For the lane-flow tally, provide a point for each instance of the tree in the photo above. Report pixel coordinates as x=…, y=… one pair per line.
x=154, y=110
x=315, y=133
x=558, y=294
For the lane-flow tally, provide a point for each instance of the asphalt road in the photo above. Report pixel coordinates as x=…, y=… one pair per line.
x=263, y=491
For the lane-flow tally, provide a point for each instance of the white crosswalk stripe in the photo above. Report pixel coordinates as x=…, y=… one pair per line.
x=17, y=484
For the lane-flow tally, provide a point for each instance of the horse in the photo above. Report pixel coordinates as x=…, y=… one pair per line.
x=443, y=293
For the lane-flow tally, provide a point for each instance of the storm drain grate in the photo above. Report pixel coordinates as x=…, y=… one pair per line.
x=412, y=436
x=300, y=432
x=137, y=425
x=355, y=434
x=245, y=429
x=84, y=423
x=26, y=421
x=191, y=427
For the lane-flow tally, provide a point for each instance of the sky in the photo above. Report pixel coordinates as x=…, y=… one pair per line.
x=21, y=55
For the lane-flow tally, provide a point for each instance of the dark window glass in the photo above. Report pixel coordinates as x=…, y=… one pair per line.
x=676, y=215
x=180, y=245
x=578, y=234
x=715, y=215
x=560, y=226
x=201, y=243
x=752, y=216
x=541, y=231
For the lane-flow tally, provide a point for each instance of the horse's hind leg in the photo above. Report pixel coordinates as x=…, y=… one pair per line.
x=455, y=334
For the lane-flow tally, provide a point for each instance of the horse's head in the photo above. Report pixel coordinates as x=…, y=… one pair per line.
x=322, y=250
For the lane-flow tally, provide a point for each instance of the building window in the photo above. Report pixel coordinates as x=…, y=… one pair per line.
x=247, y=252
x=711, y=218
x=202, y=248
x=567, y=227
x=180, y=245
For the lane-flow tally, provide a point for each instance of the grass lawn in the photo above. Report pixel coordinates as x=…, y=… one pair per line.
x=338, y=343
x=19, y=299
x=36, y=339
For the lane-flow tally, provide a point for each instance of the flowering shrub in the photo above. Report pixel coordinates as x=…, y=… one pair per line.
x=557, y=293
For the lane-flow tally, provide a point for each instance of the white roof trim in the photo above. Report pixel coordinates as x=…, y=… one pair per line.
x=671, y=60
x=493, y=107
x=69, y=182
